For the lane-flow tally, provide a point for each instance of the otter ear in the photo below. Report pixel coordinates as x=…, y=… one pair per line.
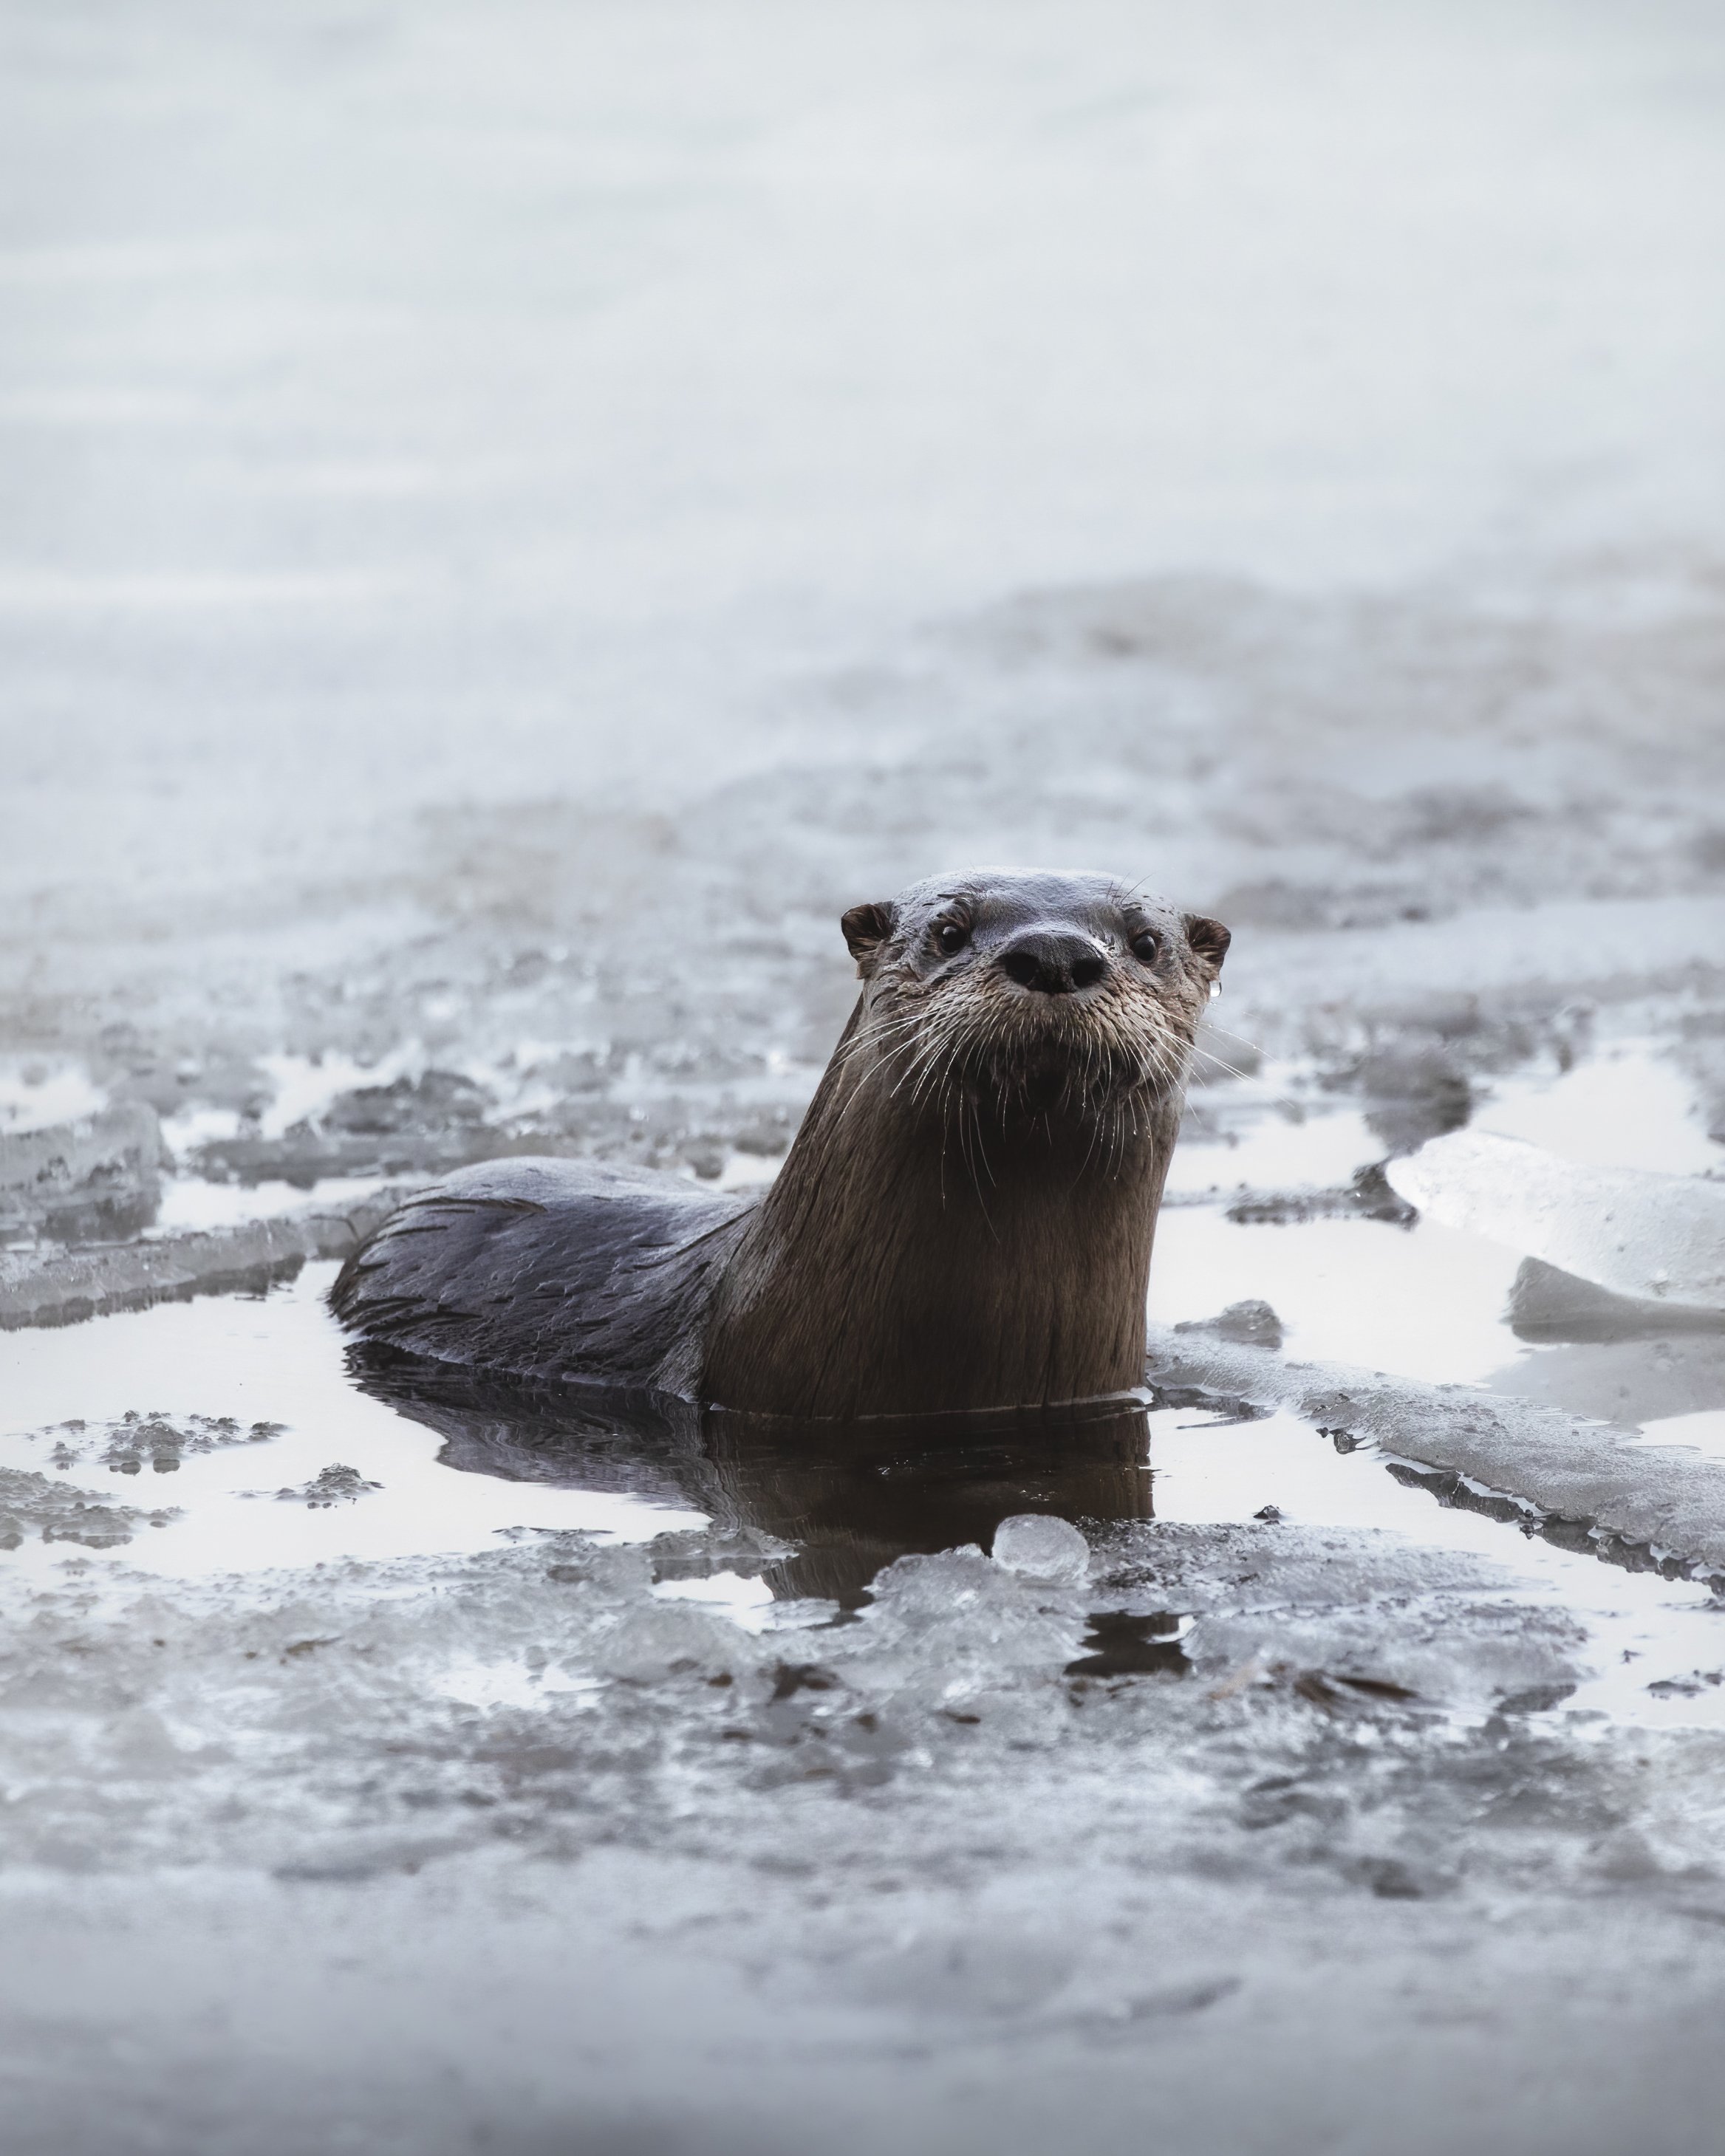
x=867, y=928
x=1208, y=939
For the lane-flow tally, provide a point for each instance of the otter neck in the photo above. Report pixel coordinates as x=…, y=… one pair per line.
x=902, y=1264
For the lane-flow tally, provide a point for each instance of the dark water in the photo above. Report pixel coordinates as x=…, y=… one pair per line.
x=851, y=1500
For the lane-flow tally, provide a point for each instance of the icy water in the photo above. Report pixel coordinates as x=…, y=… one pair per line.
x=387, y=1676
x=1064, y=1735
x=291, y=1452
x=352, y=1464
x=515, y=517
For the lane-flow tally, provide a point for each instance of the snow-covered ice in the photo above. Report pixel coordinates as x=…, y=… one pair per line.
x=1653, y=1237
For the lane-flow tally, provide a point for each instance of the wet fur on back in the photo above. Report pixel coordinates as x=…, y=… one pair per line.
x=569, y=1269
x=965, y=1219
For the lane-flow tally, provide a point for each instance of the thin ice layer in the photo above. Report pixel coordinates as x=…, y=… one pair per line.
x=1592, y=1472
x=1654, y=1237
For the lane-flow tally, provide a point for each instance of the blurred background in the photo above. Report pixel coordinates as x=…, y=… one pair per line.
x=516, y=515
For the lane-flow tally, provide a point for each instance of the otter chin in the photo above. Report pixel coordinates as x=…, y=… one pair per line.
x=964, y=1220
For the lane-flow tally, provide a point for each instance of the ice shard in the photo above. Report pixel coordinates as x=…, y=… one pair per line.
x=1656, y=1238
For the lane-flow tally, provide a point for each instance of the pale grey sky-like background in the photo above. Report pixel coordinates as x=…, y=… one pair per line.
x=415, y=403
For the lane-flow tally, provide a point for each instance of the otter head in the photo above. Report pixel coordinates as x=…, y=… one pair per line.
x=1030, y=995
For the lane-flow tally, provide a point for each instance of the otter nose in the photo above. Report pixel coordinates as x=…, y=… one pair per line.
x=1052, y=963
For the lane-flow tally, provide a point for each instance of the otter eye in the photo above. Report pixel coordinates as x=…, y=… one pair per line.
x=950, y=936
x=1146, y=945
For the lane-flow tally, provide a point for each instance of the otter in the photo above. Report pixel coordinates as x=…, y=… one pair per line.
x=964, y=1220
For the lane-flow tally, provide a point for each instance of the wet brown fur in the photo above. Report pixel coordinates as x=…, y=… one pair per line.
x=966, y=1218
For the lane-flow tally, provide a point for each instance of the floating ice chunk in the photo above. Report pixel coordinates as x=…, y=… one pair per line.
x=98, y=1176
x=1658, y=1237
x=1041, y=1546
x=61, y=1287
x=956, y=1626
x=1253, y=1323
x=1630, y=1107
x=1546, y=1304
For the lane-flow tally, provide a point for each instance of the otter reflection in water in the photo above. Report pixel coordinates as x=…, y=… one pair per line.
x=964, y=1221
x=851, y=1498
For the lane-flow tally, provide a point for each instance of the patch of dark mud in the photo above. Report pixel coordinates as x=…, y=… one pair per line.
x=1421, y=1061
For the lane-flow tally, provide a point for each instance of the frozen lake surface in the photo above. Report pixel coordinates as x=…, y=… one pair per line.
x=515, y=516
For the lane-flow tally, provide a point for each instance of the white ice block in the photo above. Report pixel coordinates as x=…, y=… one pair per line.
x=1661, y=1237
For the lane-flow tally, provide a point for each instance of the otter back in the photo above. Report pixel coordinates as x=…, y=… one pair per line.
x=559, y=1268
